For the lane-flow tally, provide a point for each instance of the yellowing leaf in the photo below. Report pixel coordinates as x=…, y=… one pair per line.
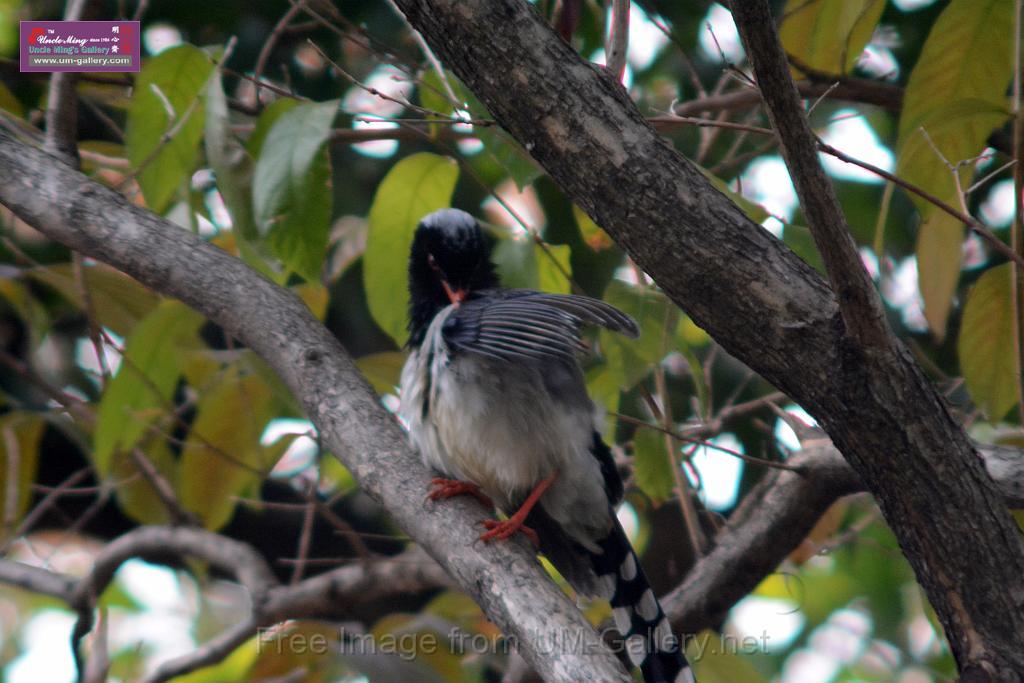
x=222, y=457
x=968, y=55
x=383, y=370
x=958, y=130
x=414, y=187
x=592, y=234
x=141, y=390
x=118, y=301
x=291, y=191
x=315, y=296
x=829, y=35
x=938, y=267
x=179, y=76
x=10, y=103
x=20, y=433
x=135, y=494
x=988, y=356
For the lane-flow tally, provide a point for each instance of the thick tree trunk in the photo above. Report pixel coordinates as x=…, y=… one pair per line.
x=726, y=273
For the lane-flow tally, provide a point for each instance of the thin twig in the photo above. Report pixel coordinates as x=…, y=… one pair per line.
x=268, y=47
x=617, y=42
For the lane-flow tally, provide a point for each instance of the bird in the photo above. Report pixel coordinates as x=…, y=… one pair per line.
x=493, y=396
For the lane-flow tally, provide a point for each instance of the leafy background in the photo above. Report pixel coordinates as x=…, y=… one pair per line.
x=317, y=177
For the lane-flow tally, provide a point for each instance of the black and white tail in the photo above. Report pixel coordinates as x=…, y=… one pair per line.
x=649, y=641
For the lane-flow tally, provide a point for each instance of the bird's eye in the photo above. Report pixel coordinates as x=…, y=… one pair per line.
x=433, y=263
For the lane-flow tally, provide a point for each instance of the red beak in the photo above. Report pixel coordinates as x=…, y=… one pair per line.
x=456, y=296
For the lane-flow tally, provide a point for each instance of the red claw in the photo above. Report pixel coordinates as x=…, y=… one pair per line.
x=443, y=489
x=499, y=531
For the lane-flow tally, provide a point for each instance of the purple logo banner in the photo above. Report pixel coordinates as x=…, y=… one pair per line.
x=80, y=46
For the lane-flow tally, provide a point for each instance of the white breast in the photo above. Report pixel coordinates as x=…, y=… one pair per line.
x=500, y=425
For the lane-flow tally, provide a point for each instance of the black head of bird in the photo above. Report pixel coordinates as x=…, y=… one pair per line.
x=450, y=261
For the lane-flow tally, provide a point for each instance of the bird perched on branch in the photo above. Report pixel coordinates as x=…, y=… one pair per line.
x=494, y=398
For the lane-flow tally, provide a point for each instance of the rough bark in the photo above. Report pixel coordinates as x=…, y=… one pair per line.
x=504, y=578
x=727, y=272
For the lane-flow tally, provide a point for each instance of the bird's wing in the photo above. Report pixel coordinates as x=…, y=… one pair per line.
x=524, y=324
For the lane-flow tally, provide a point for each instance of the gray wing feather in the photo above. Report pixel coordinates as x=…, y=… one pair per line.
x=524, y=324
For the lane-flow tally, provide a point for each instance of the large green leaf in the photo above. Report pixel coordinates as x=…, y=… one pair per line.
x=265, y=122
x=521, y=262
x=180, y=74
x=988, y=356
x=414, y=187
x=231, y=162
x=292, y=197
x=829, y=35
x=222, y=457
x=631, y=359
x=20, y=434
x=138, y=395
x=968, y=55
x=652, y=465
x=938, y=266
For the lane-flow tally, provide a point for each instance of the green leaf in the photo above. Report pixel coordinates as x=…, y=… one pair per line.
x=515, y=259
x=10, y=103
x=18, y=295
x=235, y=667
x=939, y=244
x=232, y=165
x=603, y=387
x=632, y=359
x=222, y=457
x=140, y=392
x=967, y=55
x=799, y=239
x=433, y=95
x=118, y=301
x=988, y=356
x=135, y=494
x=651, y=465
x=180, y=74
x=958, y=130
x=591, y=233
x=754, y=211
x=522, y=262
x=553, y=267
x=292, y=197
x=509, y=155
x=265, y=122
x=383, y=370
x=21, y=431
x=414, y=187
x=829, y=35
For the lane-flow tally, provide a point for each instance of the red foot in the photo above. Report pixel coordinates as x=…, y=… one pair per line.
x=499, y=531
x=443, y=489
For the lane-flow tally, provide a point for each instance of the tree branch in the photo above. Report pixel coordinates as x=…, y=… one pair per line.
x=725, y=271
x=62, y=102
x=776, y=516
x=961, y=594
x=328, y=594
x=505, y=579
